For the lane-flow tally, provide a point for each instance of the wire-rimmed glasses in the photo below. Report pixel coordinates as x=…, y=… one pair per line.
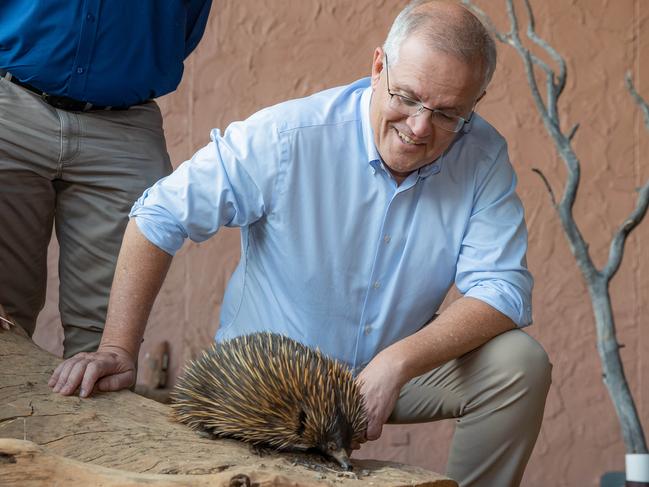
x=414, y=108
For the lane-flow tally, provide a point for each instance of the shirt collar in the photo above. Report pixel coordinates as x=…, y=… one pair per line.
x=368, y=134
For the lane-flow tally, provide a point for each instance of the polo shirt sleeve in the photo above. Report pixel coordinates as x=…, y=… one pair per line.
x=492, y=265
x=229, y=182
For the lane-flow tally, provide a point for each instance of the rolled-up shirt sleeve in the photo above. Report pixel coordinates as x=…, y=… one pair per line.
x=492, y=265
x=229, y=182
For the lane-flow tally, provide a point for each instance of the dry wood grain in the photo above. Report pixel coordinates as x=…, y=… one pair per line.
x=125, y=439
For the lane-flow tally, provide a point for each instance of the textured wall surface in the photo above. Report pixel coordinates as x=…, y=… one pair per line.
x=257, y=53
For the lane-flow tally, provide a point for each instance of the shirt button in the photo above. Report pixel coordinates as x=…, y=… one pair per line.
x=387, y=239
x=79, y=70
x=376, y=284
x=368, y=329
x=90, y=18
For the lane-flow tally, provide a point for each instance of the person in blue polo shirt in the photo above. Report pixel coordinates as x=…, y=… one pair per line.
x=359, y=207
x=80, y=139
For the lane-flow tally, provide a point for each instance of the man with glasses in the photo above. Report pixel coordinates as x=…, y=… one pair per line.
x=359, y=207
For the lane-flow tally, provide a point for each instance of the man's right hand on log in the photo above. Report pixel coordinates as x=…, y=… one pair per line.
x=108, y=369
x=141, y=268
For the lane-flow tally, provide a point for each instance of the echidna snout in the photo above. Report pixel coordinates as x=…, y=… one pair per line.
x=337, y=441
x=340, y=455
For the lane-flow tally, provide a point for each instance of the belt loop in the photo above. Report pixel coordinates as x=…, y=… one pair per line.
x=7, y=76
x=87, y=107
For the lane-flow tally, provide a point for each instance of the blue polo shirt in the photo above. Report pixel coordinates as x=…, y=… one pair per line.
x=333, y=252
x=106, y=52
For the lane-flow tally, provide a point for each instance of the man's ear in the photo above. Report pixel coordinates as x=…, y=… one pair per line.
x=377, y=67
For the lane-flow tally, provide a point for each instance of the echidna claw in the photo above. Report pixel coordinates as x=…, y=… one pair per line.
x=207, y=434
x=260, y=450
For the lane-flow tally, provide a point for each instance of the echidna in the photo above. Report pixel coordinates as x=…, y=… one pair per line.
x=269, y=390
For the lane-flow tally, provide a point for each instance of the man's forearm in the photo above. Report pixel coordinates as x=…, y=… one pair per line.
x=464, y=326
x=140, y=272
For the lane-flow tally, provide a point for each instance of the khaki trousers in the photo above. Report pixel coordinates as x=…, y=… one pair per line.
x=497, y=395
x=80, y=172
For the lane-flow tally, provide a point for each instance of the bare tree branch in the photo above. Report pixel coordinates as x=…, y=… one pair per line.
x=551, y=123
x=617, y=245
x=596, y=281
x=547, y=185
x=531, y=33
x=637, y=98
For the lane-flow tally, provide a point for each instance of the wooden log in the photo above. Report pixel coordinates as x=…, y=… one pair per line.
x=121, y=438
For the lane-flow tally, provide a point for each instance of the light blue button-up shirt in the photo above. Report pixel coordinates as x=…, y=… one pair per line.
x=333, y=252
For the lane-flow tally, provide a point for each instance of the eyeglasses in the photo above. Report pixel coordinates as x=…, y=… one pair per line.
x=413, y=108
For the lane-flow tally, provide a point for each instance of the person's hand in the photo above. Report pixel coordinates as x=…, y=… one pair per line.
x=380, y=385
x=108, y=369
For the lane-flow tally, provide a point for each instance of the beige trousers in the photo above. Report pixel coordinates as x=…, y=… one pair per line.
x=496, y=394
x=80, y=172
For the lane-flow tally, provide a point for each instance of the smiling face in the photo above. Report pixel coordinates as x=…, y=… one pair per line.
x=436, y=79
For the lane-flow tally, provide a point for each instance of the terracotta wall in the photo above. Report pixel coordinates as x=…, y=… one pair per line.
x=257, y=53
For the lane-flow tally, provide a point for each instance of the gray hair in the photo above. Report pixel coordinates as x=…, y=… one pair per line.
x=465, y=37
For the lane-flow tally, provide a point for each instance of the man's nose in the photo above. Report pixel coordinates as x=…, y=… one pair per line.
x=421, y=125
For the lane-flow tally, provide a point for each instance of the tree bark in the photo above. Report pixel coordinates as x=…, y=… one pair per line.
x=121, y=438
